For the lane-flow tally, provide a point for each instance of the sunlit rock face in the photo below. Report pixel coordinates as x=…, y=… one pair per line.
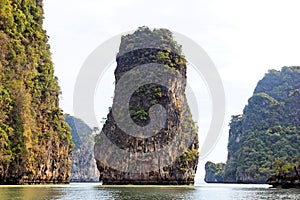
x=149, y=136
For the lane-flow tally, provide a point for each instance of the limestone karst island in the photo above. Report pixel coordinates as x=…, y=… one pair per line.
x=170, y=156
x=263, y=143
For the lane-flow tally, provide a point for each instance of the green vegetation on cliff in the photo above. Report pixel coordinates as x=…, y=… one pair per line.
x=35, y=141
x=267, y=131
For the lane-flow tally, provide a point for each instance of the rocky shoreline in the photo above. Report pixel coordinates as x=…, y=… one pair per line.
x=289, y=179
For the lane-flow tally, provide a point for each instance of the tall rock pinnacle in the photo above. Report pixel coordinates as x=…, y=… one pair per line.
x=149, y=136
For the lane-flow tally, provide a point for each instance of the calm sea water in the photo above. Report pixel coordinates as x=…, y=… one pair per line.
x=87, y=191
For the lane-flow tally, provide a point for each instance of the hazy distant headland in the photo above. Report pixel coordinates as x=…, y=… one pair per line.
x=83, y=165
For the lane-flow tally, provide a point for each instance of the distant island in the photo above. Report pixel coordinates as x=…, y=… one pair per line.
x=83, y=165
x=263, y=144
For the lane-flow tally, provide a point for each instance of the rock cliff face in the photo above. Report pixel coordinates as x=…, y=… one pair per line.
x=266, y=132
x=170, y=154
x=83, y=167
x=35, y=141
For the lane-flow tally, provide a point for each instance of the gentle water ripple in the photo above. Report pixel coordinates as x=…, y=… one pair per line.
x=85, y=191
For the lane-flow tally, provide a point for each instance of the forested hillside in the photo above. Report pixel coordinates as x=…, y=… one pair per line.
x=267, y=135
x=35, y=141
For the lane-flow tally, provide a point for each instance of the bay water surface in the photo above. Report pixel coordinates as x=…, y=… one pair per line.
x=85, y=191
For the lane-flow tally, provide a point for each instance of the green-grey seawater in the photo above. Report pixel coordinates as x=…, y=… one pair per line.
x=96, y=191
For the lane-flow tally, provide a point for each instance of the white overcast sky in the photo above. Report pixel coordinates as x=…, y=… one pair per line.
x=243, y=38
